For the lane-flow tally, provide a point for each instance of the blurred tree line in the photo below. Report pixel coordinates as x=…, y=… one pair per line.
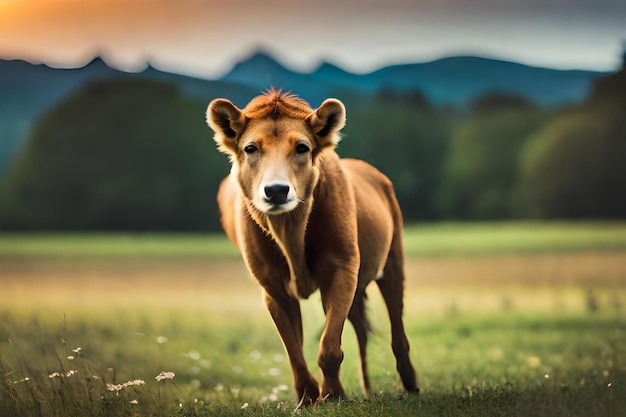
x=137, y=155
x=119, y=155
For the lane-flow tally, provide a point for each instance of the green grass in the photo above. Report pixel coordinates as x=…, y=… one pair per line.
x=114, y=245
x=509, y=364
x=512, y=237
x=420, y=241
x=533, y=325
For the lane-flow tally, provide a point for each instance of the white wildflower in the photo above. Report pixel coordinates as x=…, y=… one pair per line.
x=114, y=387
x=119, y=387
x=22, y=380
x=193, y=354
x=165, y=375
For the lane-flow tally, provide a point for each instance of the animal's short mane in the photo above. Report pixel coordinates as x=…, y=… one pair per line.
x=275, y=103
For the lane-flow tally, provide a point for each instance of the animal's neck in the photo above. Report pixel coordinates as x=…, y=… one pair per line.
x=289, y=231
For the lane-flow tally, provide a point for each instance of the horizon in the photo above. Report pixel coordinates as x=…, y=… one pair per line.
x=225, y=67
x=205, y=39
x=102, y=56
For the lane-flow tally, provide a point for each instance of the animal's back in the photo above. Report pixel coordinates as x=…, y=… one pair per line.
x=379, y=215
x=228, y=199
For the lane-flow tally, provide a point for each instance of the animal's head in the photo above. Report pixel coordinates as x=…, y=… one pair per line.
x=274, y=145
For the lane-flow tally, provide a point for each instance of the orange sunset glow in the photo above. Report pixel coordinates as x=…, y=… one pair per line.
x=205, y=37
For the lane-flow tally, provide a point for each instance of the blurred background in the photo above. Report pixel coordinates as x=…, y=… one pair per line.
x=501, y=123
x=477, y=110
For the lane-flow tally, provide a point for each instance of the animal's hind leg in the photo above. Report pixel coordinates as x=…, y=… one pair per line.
x=361, y=328
x=392, y=288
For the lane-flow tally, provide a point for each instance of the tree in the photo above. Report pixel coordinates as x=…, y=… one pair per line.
x=127, y=154
x=402, y=136
x=576, y=166
x=480, y=174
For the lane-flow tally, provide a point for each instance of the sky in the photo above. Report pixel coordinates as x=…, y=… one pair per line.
x=206, y=37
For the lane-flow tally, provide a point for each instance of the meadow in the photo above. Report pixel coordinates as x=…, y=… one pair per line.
x=511, y=319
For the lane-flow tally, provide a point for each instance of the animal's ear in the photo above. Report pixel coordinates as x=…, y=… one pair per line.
x=227, y=121
x=326, y=122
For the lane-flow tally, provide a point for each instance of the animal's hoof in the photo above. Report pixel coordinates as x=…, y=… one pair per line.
x=335, y=393
x=308, y=393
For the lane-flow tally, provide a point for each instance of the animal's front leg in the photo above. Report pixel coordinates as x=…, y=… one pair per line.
x=337, y=297
x=286, y=314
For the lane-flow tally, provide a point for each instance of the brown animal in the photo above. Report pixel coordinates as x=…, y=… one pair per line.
x=304, y=219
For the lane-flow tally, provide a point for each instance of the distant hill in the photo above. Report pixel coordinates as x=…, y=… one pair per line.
x=460, y=79
x=455, y=80
x=27, y=90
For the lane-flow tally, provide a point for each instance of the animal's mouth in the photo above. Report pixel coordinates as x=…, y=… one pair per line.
x=274, y=208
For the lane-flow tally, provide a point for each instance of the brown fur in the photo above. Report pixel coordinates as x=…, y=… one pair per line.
x=304, y=219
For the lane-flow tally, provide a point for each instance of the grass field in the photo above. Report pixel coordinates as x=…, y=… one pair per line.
x=504, y=319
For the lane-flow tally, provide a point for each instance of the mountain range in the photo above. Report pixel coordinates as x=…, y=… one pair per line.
x=27, y=90
x=454, y=80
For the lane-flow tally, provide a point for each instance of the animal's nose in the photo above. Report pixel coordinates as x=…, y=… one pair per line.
x=277, y=193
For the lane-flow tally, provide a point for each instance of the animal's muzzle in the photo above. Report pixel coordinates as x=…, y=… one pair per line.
x=276, y=194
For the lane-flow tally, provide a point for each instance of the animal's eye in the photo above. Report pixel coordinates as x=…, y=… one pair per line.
x=302, y=148
x=250, y=148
